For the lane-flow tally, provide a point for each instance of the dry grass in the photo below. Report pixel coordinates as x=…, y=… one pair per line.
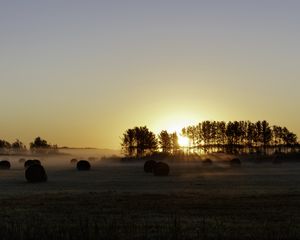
x=150, y=216
x=122, y=202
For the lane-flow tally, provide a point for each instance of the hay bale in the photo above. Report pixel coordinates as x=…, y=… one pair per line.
x=4, y=165
x=149, y=166
x=278, y=159
x=161, y=169
x=36, y=161
x=35, y=173
x=31, y=162
x=235, y=162
x=92, y=159
x=73, y=161
x=83, y=165
x=22, y=160
x=207, y=162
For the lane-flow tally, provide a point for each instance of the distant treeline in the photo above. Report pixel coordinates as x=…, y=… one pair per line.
x=212, y=136
x=239, y=134
x=38, y=146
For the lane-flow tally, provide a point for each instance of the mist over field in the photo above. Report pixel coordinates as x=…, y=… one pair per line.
x=191, y=107
x=112, y=173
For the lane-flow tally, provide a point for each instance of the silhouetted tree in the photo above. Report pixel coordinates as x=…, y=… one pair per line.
x=230, y=133
x=238, y=136
x=251, y=132
x=40, y=145
x=233, y=137
x=138, y=142
x=206, y=132
x=174, y=142
x=164, y=140
x=18, y=146
x=266, y=133
x=288, y=137
x=258, y=133
x=5, y=144
x=199, y=134
x=221, y=133
x=277, y=135
x=4, y=147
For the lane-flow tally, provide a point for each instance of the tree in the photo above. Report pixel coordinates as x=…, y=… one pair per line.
x=233, y=137
x=174, y=142
x=288, y=137
x=164, y=140
x=39, y=143
x=250, y=136
x=191, y=132
x=129, y=143
x=4, y=144
x=258, y=133
x=41, y=146
x=18, y=146
x=138, y=141
x=277, y=135
x=230, y=133
x=266, y=133
x=206, y=132
x=221, y=133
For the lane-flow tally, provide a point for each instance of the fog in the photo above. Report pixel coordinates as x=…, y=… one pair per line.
x=63, y=158
x=113, y=175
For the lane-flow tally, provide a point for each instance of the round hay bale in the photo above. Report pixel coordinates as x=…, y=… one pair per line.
x=22, y=160
x=35, y=173
x=73, y=161
x=161, y=169
x=207, y=162
x=278, y=159
x=4, y=165
x=83, y=165
x=92, y=159
x=149, y=166
x=36, y=161
x=235, y=162
x=31, y=162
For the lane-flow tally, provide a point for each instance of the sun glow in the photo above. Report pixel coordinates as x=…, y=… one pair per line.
x=175, y=122
x=183, y=141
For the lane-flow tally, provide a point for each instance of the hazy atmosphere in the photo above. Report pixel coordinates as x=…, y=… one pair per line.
x=157, y=119
x=79, y=73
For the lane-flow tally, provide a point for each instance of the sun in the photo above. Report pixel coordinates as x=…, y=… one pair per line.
x=183, y=141
x=174, y=123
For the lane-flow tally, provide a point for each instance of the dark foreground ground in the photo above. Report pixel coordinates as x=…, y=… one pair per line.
x=121, y=202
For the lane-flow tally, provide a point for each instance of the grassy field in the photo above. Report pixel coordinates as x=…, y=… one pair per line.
x=120, y=201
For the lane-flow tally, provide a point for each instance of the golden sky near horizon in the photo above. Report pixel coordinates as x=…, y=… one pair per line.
x=79, y=73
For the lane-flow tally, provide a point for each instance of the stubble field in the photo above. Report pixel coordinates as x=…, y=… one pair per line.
x=119, y=201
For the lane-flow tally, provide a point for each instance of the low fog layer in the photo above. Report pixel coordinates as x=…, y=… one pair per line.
x=64, y=157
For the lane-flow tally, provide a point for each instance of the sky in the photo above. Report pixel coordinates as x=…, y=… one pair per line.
x=79, y=73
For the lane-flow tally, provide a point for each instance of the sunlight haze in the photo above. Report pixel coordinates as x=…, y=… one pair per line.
x=79, y=73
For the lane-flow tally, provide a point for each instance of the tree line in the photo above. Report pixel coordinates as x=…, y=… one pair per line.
x=38, y=145
x=211, y=136
x=239, y=134
x=140, y=141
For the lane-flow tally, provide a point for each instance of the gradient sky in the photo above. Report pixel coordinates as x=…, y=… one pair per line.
x=79, y=73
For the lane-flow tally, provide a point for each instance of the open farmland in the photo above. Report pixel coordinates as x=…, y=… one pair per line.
x=119, y=201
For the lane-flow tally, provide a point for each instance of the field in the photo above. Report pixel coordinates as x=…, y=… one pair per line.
x=119, y=201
